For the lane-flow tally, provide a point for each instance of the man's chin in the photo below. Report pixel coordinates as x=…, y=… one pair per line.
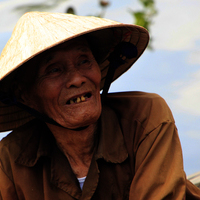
x=82, y=126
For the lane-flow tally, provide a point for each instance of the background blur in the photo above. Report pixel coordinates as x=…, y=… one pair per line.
x=170, y=68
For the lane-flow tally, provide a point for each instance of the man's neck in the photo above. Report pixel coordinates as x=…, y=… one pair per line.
x=77, y=145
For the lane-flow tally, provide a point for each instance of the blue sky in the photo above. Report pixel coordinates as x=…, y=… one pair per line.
x=171, y=69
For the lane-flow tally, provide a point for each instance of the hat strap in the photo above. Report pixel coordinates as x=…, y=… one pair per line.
x=117, y=58
x=37, y=114
x=11, y=100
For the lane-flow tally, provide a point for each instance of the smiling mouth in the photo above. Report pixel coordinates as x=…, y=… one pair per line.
x=79, y=99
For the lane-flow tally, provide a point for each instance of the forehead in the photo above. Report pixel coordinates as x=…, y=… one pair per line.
x=79, y=45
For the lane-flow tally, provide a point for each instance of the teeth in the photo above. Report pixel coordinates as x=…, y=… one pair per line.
x=77, y=100
x=82, y=98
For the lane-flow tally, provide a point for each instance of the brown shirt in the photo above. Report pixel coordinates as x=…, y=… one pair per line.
x=138, y=156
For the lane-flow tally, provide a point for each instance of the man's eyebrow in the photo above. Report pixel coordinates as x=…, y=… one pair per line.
x=49, y=56
x=83, y=48
x=47, y=59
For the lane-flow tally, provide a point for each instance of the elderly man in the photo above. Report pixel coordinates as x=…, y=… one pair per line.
x=70, y=142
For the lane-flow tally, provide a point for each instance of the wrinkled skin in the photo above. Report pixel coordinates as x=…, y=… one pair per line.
x=67, y=74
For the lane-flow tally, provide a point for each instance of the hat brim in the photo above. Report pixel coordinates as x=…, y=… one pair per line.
x=104, y=38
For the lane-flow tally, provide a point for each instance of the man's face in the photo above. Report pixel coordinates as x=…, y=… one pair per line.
x=67, y=87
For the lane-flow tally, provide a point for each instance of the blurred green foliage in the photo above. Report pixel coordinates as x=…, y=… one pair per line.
x=144, y=17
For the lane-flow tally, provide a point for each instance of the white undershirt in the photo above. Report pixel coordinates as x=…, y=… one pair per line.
x=81, y=181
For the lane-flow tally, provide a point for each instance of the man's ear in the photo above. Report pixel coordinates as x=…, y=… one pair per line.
x=21, y=94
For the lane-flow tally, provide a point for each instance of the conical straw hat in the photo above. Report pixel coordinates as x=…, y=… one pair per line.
x=37, y=32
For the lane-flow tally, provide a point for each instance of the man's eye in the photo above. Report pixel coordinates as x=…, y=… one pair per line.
x=54, y=69
x=84, y=62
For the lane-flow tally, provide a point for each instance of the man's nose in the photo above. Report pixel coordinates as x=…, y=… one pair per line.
x=75, y=79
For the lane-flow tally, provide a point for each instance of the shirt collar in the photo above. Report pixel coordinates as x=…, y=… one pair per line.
x=38, y=143
x=111, y=141
x=111, y=145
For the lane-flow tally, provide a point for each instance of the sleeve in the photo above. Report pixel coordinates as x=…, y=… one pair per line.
x=159, y=170
x=192, y=191
x=7, y=188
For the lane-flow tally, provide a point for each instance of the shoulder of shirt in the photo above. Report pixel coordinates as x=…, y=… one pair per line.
x=17, y=140
x=149, y=109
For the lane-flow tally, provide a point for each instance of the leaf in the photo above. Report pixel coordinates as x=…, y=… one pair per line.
x=104, y=3
x=147, y=3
